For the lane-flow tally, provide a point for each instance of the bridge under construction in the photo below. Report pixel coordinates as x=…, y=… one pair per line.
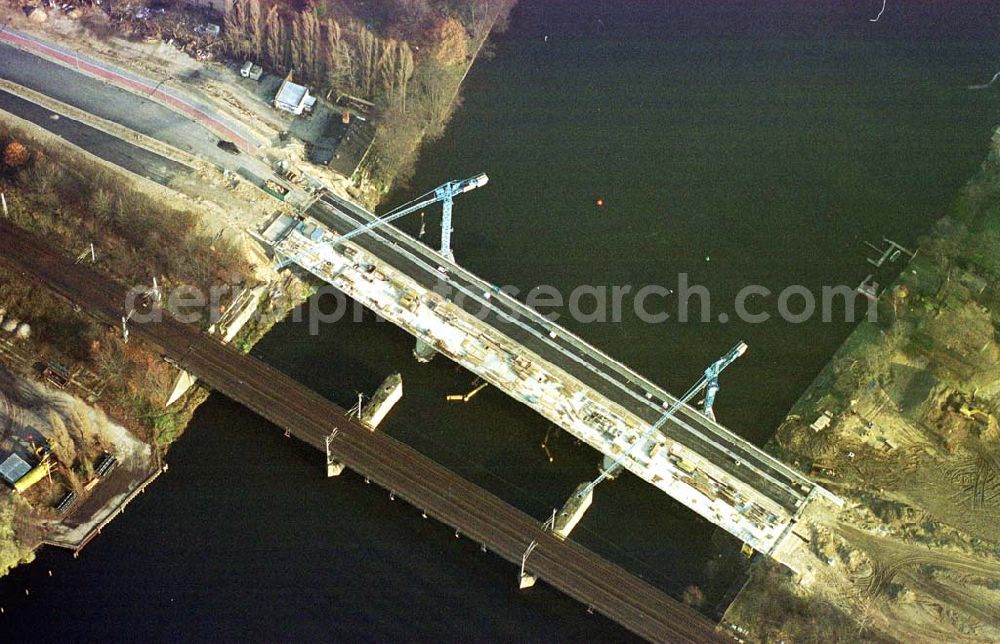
x=634, y=423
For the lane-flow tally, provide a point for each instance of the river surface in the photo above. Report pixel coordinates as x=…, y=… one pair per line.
x=736, y=142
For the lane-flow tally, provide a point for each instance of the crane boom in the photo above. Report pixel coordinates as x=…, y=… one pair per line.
x=712, y=377
x=445, y=193
x=708, y=378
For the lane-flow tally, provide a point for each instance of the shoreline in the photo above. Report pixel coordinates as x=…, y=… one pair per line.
x=253, y=331
x=900, y=423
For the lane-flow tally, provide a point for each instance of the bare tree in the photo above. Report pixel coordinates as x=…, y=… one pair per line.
x=312, y=45
x=275, y=42
x=62, y=443
x=237, y=30
x=297, y=47
x=339, y=60
x=395, y=71
x=255, y=28
x=368, y=52
x=483, y=15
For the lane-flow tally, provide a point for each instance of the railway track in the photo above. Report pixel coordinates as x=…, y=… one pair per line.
x=430, y=487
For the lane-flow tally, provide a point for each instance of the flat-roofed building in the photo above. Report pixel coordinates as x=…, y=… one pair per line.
x=293, y=98
x=13, y=469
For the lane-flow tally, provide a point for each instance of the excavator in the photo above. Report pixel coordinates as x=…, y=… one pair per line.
x=966, y=406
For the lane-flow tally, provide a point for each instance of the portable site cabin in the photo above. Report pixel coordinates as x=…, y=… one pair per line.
x=13, y=469
x=251, y=70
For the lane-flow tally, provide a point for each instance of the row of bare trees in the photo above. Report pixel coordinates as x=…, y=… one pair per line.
x=349, y=56
x=407, y=56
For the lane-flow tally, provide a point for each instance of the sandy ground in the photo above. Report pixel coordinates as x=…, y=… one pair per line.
x=25, y=406
x=915, y=554
x=27, y=413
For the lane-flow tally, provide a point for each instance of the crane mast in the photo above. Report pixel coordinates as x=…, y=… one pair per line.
x=709, y=382
x=444, y=193
x=712, y=377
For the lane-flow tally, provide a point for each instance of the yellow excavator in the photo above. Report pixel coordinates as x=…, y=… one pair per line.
x=40, y=471
x=964, y=405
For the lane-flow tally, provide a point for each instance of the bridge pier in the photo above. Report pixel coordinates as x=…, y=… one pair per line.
x=387, y=395
x=423, y=351
x=574, y=509
x=333, y=467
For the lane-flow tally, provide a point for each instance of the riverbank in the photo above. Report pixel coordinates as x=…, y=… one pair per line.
x=903, y=425
x=128, y=380
x=115, y=390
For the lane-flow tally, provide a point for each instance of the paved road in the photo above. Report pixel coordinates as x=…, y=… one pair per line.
x=110, y=148
x=134, y=111
x=180, y=102
x=505, y=530
x=736, y=457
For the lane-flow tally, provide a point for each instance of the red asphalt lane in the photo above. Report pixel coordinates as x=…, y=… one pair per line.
x=215, y=125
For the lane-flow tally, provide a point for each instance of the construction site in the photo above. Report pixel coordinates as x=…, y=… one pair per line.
x=903, y=425
x=874, y=512
x=654, y=435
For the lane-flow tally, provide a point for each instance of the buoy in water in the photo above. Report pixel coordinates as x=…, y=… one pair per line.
x=599, y=202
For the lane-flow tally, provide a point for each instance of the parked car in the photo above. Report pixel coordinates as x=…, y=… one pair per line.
x=229, y=147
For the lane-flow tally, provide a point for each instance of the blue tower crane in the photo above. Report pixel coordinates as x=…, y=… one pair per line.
x=444, y=193
x=709, y=382
x=711, y=377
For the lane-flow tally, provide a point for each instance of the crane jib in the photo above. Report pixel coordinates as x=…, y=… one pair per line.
x=444, y=192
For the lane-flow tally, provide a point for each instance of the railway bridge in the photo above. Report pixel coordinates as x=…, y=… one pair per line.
x=472, y=511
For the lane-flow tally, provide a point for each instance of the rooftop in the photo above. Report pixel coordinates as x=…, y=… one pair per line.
x=293, y=97
x=13, y=468
x=290, y=93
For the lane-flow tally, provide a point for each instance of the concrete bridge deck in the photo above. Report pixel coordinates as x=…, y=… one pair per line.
x=582, y=360
x=703, y=465
x=479, y=515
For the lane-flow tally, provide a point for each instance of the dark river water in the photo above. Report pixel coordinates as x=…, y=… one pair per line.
x=738, y=143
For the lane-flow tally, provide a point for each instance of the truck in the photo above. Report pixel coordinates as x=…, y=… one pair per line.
x=275, y=189
x=251, y=70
